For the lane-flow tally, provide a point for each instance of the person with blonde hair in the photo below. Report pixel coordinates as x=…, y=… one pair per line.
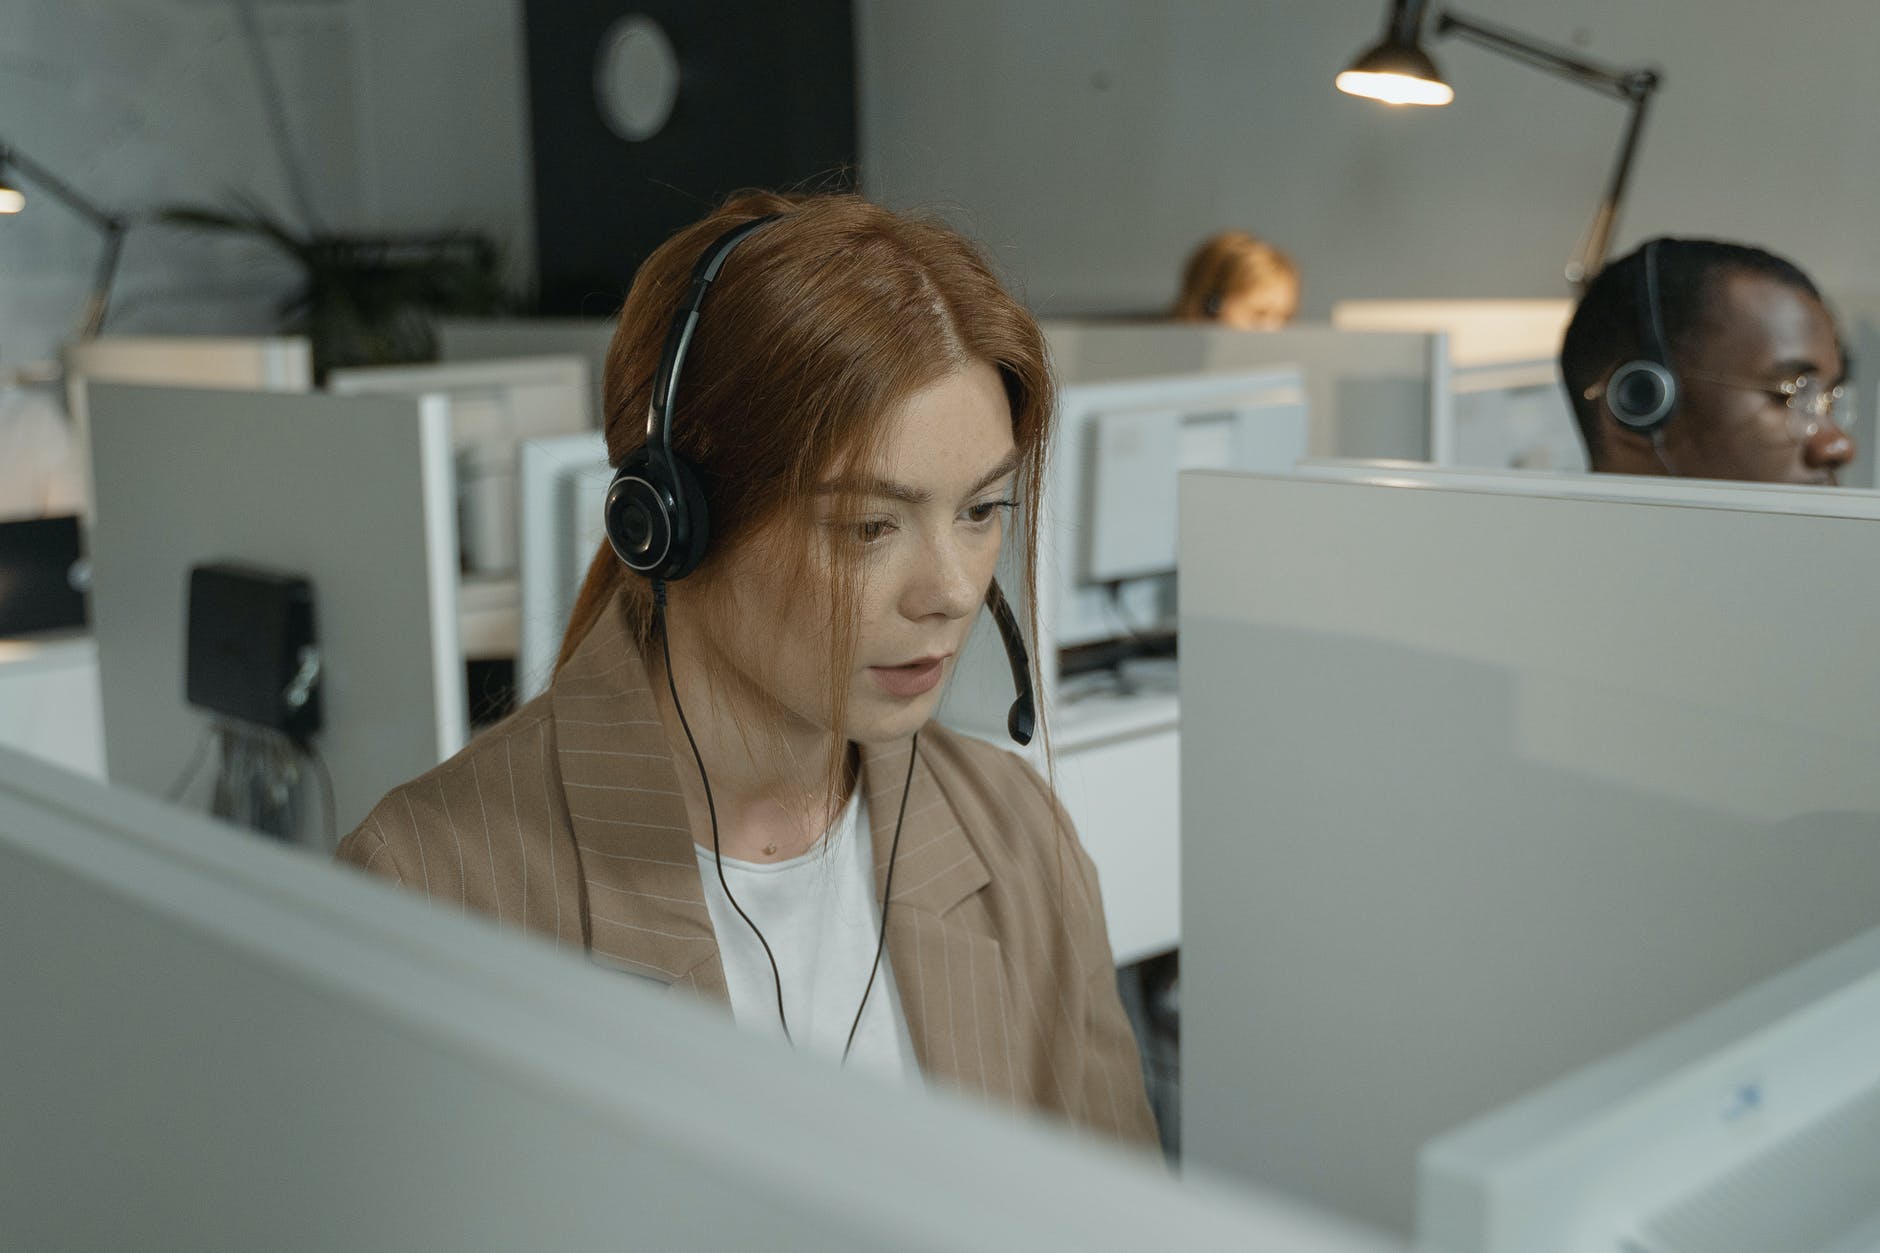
x=821, y=415
x=1238, y=280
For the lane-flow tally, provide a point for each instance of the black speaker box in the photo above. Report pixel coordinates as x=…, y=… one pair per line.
x=248, y=628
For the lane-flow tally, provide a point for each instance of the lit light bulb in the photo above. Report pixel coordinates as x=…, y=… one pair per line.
x=1394, y=88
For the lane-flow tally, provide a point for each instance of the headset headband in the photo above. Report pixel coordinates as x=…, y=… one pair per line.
x=684, y=322
x=1652, y=324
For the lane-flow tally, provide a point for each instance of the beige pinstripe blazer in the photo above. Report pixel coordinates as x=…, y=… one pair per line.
x=567, y=819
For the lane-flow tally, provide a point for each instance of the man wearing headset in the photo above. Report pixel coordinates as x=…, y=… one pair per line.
x=1708, y=360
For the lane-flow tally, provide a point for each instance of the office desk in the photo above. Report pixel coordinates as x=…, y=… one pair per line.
x=49, y=703
x=489, y=615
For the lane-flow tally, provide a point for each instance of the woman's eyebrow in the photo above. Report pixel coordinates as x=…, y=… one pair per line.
x=891, y=490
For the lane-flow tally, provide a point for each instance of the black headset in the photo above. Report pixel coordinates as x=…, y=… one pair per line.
x=1642, y=392
x=656, y=516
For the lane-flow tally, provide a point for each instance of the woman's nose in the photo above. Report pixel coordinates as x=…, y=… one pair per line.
x=946, y=583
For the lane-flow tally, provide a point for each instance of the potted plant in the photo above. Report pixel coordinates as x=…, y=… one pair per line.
x=369, y=300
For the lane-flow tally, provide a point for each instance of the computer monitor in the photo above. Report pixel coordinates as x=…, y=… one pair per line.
x=1754, y=1125
x=1369, y=393
x=563, y=490
x=41, y=587
x=1109, y=538
x=1513, y=415
x=212, y=1044
x=1485, y=777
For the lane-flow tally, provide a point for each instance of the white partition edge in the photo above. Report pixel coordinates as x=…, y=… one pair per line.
x=1647, y=488
x=1445, y=446
x=439, y=475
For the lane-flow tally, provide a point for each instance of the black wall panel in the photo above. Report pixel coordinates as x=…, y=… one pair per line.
x=766, y=98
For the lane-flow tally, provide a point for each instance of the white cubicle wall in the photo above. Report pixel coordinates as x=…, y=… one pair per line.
x=211, y=1044
x=263, y=363
x=498, y=339
x=1369, y=393
x=1478, y=332
x=274, y=363
x=563, y=491
x=1754, y=1125
x=352, y=492
x=1487, y=776
x=1507, y=408
x=1109, y=517
x=495, y=406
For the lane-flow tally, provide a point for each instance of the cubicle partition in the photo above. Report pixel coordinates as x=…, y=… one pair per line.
x=1487, y=776
x=499, y=339
x=1478, y=332
x=1369, y=393
x=1508, y=408
x=211, y=1044
x=262, y=363
x=563, y=492
x=1103, y=668
x=353, y=493
x=495, y=405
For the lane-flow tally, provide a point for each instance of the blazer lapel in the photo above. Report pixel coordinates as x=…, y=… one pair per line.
x=645, y=903
x=948, y=968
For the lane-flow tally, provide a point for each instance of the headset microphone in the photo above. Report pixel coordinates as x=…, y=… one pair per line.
x=1022, y=718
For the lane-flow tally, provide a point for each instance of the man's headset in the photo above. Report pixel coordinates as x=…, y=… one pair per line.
x=1642, y=392
x=656, y=516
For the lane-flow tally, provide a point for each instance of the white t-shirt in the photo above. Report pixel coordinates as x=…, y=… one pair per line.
x=818, y=912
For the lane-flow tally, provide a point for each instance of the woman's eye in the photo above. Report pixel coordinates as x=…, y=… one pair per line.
x=871, y=530
x=985, y=511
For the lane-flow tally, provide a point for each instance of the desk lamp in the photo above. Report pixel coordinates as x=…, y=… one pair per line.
x=12, y=200
x=1398, y=71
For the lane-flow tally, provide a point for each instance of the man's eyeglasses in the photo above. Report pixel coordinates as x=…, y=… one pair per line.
x=1811, y=403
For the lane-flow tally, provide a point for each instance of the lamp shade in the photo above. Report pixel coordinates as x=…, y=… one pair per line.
x=12, y=199
x=1396, y=72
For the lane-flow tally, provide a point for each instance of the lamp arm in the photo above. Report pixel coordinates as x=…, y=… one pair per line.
x=91, y=322
x=1592, y=254
x=109, y=225
x=1625, y=84
x=1635, y=87
x=58, y=188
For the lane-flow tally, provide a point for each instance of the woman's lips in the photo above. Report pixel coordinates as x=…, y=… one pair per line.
x=916, y=678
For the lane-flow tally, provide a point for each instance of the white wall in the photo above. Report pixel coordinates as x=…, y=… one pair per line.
x=443, y=100
x=407, y=115
x=1090, y=143
x=1093, y=143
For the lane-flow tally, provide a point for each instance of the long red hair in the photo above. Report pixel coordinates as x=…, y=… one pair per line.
x=817, y=327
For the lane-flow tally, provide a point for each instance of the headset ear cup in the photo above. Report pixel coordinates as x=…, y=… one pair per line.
x=1641, y=395
x=638, y=518
x=655, y=516
x=691, y=532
